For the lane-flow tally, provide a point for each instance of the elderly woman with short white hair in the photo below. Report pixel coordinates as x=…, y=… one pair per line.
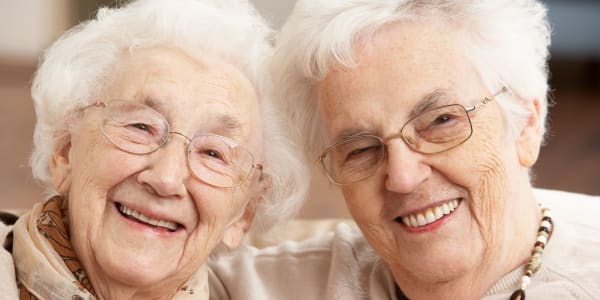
x=428, y=115
x=156, y=143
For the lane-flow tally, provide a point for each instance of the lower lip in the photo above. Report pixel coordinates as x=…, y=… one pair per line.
x=432, y=226
x=146, y=228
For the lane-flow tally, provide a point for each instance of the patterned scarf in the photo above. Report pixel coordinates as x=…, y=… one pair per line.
x=51, y=224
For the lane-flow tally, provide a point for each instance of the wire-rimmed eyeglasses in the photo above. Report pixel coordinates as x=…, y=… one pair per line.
x=437, y=130
x=138, y=129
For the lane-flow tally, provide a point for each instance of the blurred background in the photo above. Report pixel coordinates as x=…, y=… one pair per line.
x=570, y=160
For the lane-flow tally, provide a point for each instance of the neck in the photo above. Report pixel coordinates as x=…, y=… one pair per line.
x=111, y=290
x=509, y=249
x=108, y=287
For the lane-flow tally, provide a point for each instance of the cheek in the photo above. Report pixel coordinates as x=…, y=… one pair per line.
x=481, y=160
x=217, y=207
x=100, y=164
x=484, y=172
x=366, y=205
x=99, y=171
x=363, y=201
x=96, y=169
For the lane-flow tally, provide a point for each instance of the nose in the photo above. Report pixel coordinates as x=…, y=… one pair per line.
x=405, y=169
x=167, y=170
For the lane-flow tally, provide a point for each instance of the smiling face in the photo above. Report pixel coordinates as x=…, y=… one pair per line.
x=432, y=217
x=116, y=198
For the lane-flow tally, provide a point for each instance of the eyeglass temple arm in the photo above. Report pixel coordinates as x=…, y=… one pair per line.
x=97, y=103
x=485, y=100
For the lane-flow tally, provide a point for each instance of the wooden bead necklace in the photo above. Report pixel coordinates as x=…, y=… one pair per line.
x=535, y=261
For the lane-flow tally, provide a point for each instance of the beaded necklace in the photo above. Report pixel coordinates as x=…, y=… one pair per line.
x=535, y=261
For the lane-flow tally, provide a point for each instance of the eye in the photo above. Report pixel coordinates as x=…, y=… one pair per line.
x=441, y=119
x=141, y=126
x=359, y=151
x=362, y=152
x=212, y=153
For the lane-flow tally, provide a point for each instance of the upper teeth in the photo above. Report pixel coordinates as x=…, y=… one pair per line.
x=139, y=216
x=430, y=215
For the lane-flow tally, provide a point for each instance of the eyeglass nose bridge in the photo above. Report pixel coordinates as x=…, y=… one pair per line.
x=409, y=141
x=168, y=138
x=188, y=142
x=171, y=133
x=406, y=138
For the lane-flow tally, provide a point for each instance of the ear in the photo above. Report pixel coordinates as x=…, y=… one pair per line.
x=530, y=138
x=60, y=166
x=234, y=235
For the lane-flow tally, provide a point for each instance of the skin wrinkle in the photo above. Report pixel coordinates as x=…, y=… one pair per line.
x=490, y=173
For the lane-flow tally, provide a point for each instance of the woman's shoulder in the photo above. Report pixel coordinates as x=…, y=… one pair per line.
x=571, y=258
x=8, y=288
x=5, y=236
x=574, y=207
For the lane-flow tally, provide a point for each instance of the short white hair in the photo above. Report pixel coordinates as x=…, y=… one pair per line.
x=75, y=68
x=506, y=40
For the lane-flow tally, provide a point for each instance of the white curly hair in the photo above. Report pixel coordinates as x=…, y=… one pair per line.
x=506, y=40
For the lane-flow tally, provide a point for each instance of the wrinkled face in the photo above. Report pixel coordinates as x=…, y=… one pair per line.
x=114, y=195
x=407, y=69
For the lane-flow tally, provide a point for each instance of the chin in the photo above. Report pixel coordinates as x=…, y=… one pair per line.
x=140, y=275
x=441, y=262
x=137, y=268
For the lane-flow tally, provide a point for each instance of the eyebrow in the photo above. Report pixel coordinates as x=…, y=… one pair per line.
x=154, y=104
x=352, y=132
x=431, y=100
x=229, y=122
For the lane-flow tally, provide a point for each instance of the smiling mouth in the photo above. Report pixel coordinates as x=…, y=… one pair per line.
x=429, y=215
x=135, y=215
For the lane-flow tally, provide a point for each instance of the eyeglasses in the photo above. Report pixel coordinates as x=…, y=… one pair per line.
x=434, y=131
x=138, y=129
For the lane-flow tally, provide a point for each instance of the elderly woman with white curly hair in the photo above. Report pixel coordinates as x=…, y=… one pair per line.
x=157, y=144
x=428, y=115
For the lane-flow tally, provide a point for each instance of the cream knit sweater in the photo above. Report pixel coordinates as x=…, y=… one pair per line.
x=341, y=265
